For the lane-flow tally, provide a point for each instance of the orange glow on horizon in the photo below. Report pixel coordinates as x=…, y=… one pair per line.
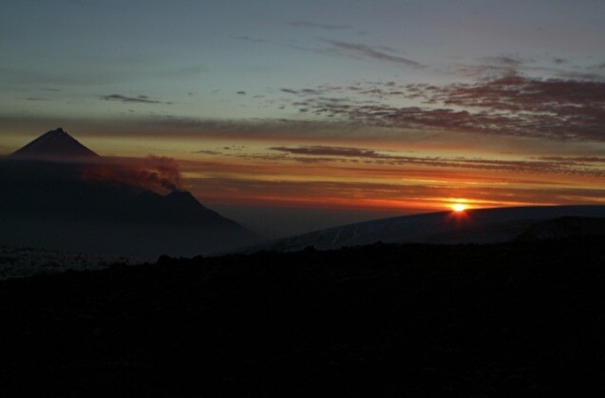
x=458, y=207
x=249, y=171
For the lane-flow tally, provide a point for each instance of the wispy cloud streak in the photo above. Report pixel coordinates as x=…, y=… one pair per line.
x=141, y=99
x=584, y=166
x=328, y=27
x=357, y=49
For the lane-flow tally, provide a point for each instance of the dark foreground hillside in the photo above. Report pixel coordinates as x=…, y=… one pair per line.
x=517, y=319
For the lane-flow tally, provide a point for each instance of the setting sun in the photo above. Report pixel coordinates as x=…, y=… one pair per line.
x=458, y=207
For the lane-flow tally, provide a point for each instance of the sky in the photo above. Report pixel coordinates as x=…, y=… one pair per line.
x=290, y=116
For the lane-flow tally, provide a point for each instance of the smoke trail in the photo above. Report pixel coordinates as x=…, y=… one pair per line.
x=159, y=174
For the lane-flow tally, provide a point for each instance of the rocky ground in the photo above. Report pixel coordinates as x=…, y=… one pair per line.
x=26, y=262
x=514, y=319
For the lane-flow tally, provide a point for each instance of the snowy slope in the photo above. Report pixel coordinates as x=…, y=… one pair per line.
x=472, y=226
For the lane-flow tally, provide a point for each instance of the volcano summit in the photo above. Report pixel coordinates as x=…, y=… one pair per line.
x=53, y=145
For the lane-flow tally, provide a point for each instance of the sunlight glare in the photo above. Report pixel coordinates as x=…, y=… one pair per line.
x=458, y=207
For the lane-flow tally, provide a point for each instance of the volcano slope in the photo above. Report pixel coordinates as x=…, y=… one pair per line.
x=57, y=194
x=509, y=319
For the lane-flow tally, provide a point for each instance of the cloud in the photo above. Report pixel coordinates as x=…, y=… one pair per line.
x=507, y=60
x=513, y=64
x=289, y=91
x=496, y=66
x=575, y=159
x=549, y=165
x=555, y=108
x=357, y=49
x=142, y=99
x=510, y=105
x=329, y=27
x=320, y=150
x=344, y=49
x=206, y=152
x=515, y=92
x=252, y=39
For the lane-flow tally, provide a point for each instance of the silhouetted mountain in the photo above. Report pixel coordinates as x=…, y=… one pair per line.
x=564, y=227
x=178, y=207
x=472, y=226
x=55, y=144
x=52, y=204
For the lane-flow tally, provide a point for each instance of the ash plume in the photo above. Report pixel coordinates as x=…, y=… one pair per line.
x=159, y=174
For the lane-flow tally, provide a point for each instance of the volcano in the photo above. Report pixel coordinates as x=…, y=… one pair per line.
x=47, y=201
x=55, y=144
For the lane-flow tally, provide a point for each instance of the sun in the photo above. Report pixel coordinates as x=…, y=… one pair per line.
x=458, y=207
